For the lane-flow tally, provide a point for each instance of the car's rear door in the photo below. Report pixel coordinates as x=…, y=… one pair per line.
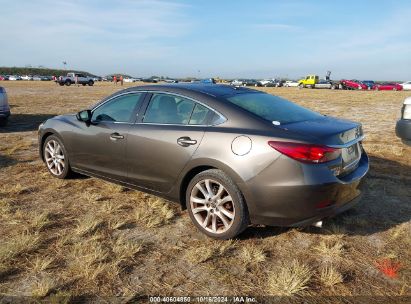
x=164, y=139
x=100, y=147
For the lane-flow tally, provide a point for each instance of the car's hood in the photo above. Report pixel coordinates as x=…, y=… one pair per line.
x=327, y=130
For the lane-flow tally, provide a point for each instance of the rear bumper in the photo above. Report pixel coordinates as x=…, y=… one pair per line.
x=307, y=194
x=403, y=130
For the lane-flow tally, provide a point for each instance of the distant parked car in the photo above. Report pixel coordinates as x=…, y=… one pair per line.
x=41, y=78
x=353, y=85
x=403, y=128
x=208, y=80
x=267, y=83
x=368, y=83
x=130, y=79
x=252, y=83
x=387, y=87
x=291, y=83
x=238, y=82
x=171, y=80
x=14, y=77
x=151, y=80
x=406, y=86
x=2, y=78
x=323, y=84
x=4, y=107
x=27, y=77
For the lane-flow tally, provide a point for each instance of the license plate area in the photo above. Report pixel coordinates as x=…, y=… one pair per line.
x=350, y=157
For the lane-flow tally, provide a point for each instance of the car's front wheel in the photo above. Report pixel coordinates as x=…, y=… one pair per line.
x=56, y=158
x=215, y=205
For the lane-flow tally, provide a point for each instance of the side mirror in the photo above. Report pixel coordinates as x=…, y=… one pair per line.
x=84, y=116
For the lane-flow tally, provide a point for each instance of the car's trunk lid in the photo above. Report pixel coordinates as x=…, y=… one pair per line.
x=328, y=131
x=333, y=132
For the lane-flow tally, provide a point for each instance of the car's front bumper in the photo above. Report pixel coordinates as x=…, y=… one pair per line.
x=403, y=130
x=302, y=194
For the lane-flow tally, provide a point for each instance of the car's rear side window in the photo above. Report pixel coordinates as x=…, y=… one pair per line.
x=199, y=116
x=173, y=109
x=273, y=108
x=168, y=109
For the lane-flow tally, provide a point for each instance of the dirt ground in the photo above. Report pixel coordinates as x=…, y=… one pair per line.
x=86, y=239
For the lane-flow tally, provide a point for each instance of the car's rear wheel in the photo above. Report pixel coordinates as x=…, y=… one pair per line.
x=56, y=158
x=90, y=83
x=68, y=83
x=216, y=205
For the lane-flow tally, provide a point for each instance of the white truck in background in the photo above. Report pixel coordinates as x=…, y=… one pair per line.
x=73, y=78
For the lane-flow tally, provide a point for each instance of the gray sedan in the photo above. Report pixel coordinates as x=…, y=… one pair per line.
x=232, y=156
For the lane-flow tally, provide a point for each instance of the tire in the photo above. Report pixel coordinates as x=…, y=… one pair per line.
x=68, y=83
x=83, y=84
x=3, y=122
x=57, y=162
x=90, y=83
x=301, y=86
x=224, y=226
x=61, y=83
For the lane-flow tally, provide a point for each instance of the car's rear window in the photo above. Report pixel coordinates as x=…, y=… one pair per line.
x=273, y=108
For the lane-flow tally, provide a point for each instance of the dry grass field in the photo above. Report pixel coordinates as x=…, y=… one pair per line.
x=86, y=239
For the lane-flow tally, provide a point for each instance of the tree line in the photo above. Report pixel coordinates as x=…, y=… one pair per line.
x=37, y=71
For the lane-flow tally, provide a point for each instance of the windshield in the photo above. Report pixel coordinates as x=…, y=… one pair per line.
x=273, y=108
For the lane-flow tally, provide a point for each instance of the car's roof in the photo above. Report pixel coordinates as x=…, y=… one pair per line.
x=215, y=90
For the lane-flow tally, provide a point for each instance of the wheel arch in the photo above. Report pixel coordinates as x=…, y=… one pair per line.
x=199, y=166
x=43, y=138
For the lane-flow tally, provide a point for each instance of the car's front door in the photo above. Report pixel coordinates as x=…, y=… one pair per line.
x=164, y=140
x=100, y=147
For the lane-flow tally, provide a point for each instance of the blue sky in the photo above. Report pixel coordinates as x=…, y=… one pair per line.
x=210, y=38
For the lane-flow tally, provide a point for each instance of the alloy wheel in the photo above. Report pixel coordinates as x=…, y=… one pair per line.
x=212, y=206
x=54, y=156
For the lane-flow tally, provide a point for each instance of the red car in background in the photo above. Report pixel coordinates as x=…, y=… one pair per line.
x=387, y=87
x=353, y=84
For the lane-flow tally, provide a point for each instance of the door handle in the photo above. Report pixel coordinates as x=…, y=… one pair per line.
x=115, y=136
x=186, y=141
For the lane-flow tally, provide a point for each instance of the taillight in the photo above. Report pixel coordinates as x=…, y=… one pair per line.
x=306, y=152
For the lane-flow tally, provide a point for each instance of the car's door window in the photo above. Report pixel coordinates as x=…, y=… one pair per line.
x=168, y=109
x=119, y=109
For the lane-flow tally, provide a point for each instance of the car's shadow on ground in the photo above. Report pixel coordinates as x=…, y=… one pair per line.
x=7, y=161
x=24, y=122
x=385, y=204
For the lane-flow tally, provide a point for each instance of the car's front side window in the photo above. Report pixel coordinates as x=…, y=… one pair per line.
x=119, y=109
x=169, y=109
